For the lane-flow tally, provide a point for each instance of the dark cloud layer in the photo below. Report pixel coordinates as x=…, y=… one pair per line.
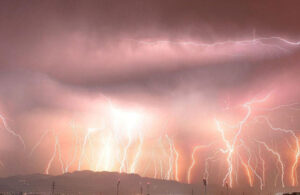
x=59, y=37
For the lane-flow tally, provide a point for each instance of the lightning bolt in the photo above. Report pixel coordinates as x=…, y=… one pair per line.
x=173, y=162
x=195, y=149
x=60, y=155
x=138, y=153
x=12, y=132
x=89, y=132
x=248, y=173
x=252, y=169
x=72, y=161
x=161, y=169
x=264, y=41
x=297, y=154
x=278, y=157
x=38, y=143
x=176, y=162
x=206, y=173
x=107, y=154
x=125, y=153
x=230, y=148
x=291, y=106
x=171, y=158
x=52, y=157
x=263, y=166
x=155, y=169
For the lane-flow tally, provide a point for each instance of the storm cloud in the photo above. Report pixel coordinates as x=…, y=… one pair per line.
x=184, y=61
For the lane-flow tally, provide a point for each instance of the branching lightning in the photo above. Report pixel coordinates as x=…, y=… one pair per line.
x=9, y=130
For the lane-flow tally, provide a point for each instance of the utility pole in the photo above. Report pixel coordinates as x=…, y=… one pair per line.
x=148, y=193
x=53, y=187
x=192, y=191
x=118, y=184
x=141, y=190
x=227, y=188
x=205, y=184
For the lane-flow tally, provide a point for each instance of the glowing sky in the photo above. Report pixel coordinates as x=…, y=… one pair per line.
x=137, y=86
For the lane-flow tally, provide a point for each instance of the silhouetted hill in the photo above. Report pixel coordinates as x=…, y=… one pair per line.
x=88, y=182
x=105, y=183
